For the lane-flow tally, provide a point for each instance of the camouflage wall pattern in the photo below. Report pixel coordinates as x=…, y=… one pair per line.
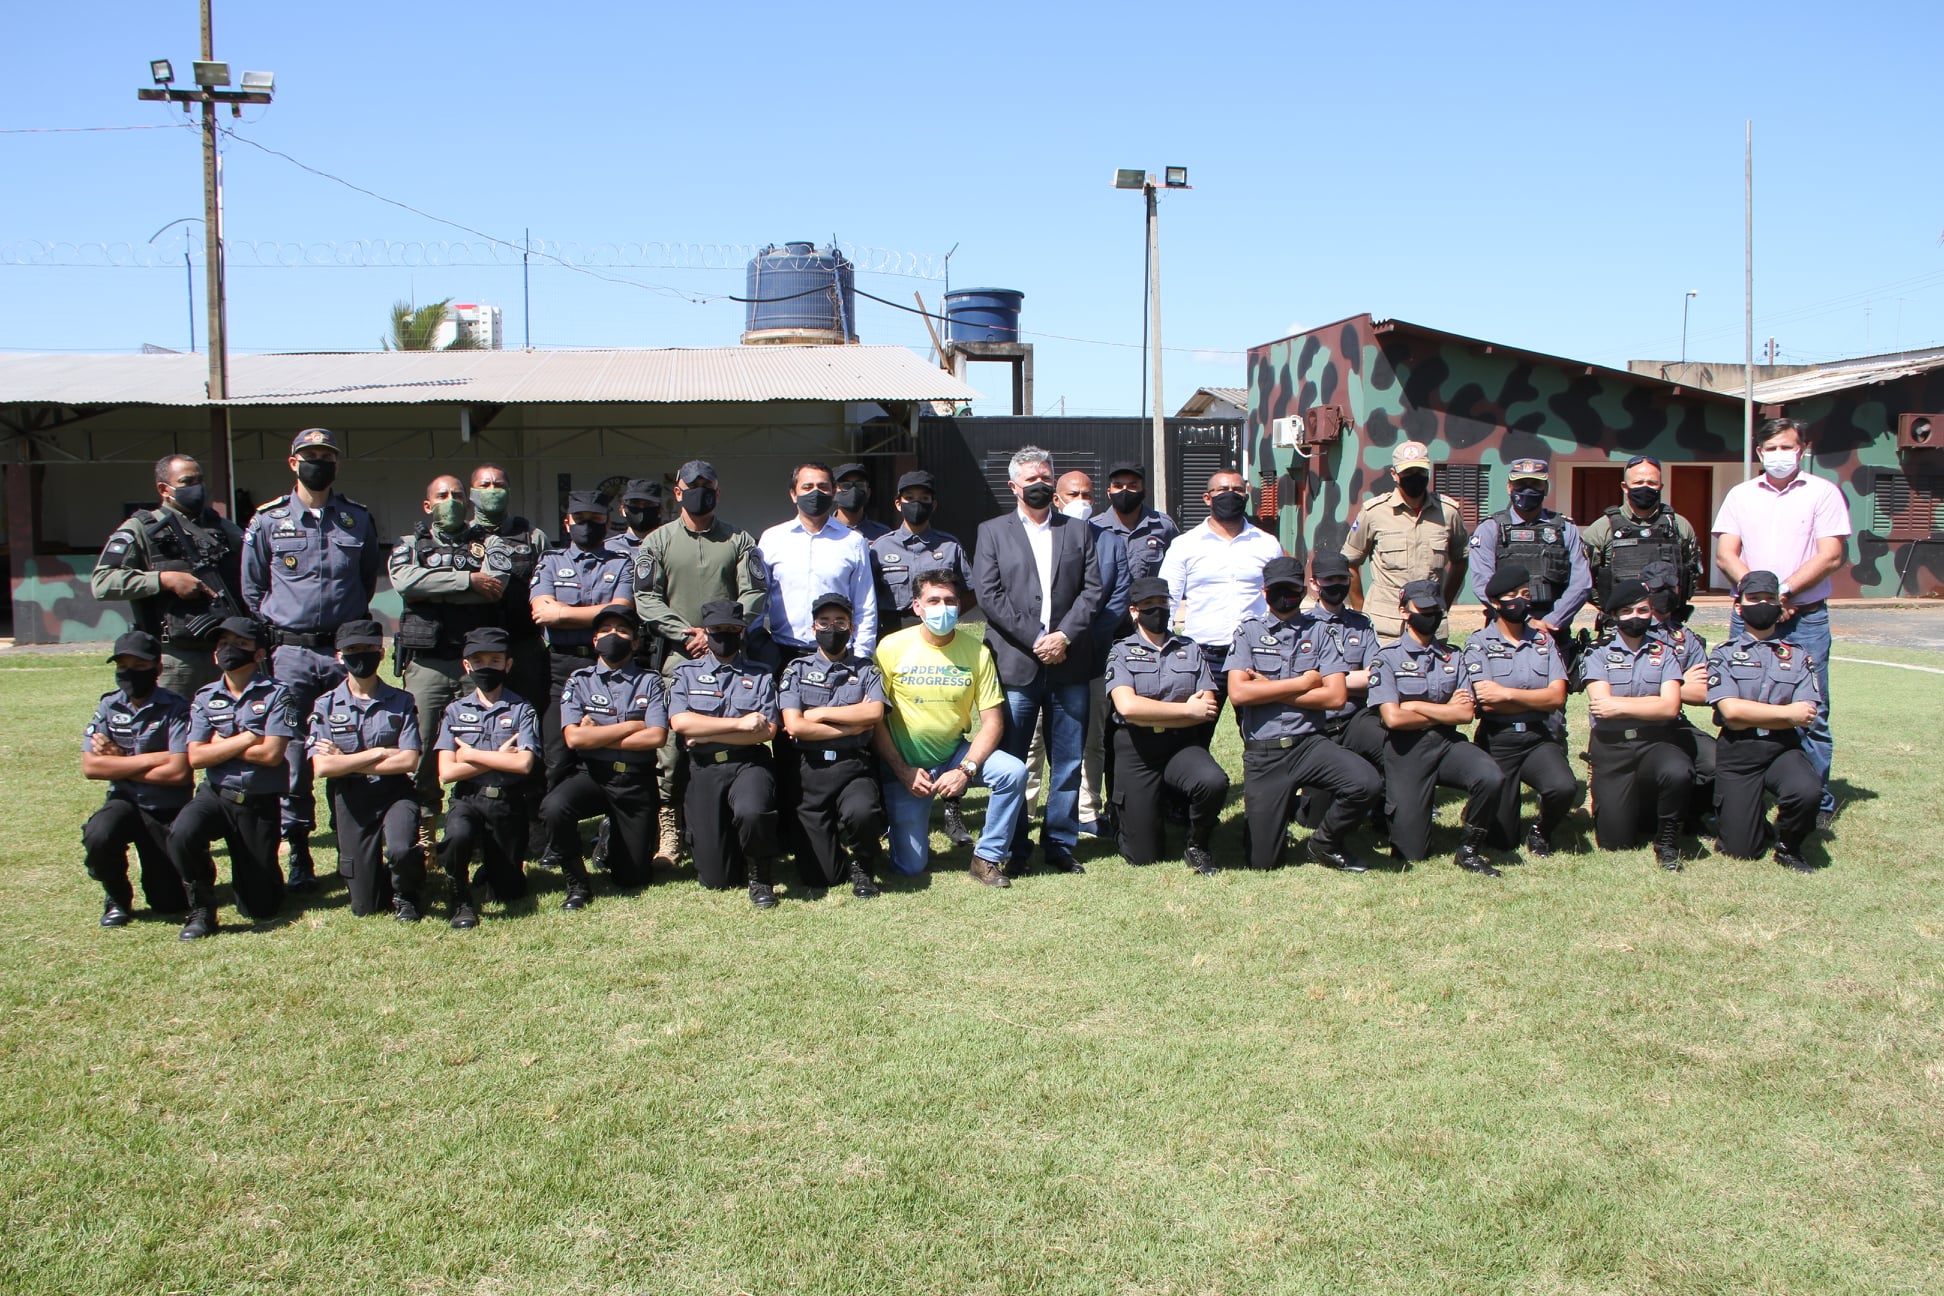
x=1475, y=402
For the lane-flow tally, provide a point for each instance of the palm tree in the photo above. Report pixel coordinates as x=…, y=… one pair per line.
x=412, y=329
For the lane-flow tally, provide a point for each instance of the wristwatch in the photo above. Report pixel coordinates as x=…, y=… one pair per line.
x=970, y=766
x=1784, y=592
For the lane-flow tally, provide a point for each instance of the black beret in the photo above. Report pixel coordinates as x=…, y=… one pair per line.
x=487, y=639
x=1506, y=579
x=1625, y=593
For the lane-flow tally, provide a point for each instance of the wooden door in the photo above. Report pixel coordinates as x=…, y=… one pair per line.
x=1596, y=488
x=1690, y=493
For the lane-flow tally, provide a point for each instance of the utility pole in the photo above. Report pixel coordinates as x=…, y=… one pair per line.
x=1173, y=177
x=1748, y=306
x=258, y=87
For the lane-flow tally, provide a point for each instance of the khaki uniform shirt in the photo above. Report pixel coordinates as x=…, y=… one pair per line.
x=1402, y=547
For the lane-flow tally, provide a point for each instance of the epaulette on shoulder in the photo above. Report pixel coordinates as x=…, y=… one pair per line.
x=277, y=507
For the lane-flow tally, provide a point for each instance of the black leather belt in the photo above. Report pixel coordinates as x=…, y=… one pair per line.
x=1653, y=730
x=323, y=639
x=1276, y=744
x=827, y=752
x=236, y=796
x=494, y=792
x=614, y=769
x=724, y=755
x=585, y=653
x=1806, y=608
x=1513, y=726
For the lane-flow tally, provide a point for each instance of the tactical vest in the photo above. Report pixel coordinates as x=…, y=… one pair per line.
x=1539, y=547
x=1635, y=545
x=176, y=546
x=435, y=628
x=511, y=555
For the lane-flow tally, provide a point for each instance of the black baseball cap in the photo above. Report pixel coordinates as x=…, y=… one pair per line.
x=1329, y=562
x=1146, y=588
x=243, y=628
x=850, y=470
x=1422, y=594
x=831, y=599
x=919, y=478
x=616, y=614
x=137, y=643
x=697, y=470
x=1282, y=571
x=642, y=488
x=1128, y=466
x=721, y=612
x=360, y=634
x=586, y=501
x=487, y=639
x=314, y=437
x=1759, y=582
x=1660, y=576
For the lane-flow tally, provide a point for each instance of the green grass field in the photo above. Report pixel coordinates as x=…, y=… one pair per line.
x=1589, y=1076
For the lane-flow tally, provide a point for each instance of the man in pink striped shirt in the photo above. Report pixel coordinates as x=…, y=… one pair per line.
x=1797, y=526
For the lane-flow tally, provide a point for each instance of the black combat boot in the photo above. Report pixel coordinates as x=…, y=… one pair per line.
x=301, y=874
x=955, y=829
x=761, y=893
x=1789, y=856
x=597, y=859
x=117, y=906
x=1471, y=853
x=580, y=889
x=1667, y=843
x=202, y=915
x=1538, y=842
x=459, y=895
x=1200, y=860
x=1332, y=856
x=406, y=908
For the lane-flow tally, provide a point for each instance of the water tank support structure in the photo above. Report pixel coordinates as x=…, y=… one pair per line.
x=1018, y=355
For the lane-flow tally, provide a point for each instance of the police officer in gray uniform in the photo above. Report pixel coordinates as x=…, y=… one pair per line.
x=724, y=706
x=898, y=556
x=853, y=496
x=641, y=513
x=1418, y=689
x=1664, y=594
x=310, y=563
x=614, y=717
x=1545, y=543
x=1146, y=531
x=180, y=564
x=831, y=700
x=489, y=742
x=570, y=587
x=1518, y=681
x=1164, y=702
x=238, y=730
x=1284, y=677
x=1765, y=696
x=364, y=740
x=138, y=743
x=1354, y=726
x=1642, y=767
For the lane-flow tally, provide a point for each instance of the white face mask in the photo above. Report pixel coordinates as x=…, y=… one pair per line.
x=1077, y=509
x=1780, y=463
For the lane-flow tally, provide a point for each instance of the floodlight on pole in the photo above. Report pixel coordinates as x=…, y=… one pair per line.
x=1175, y=177
x=161, y=70
x=262, y=81
x=1130, y=178
x=211, y=75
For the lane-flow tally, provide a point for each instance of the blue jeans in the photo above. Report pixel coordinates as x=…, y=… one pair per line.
x=1810, y=633
x=1064, y=707
x=909, y=817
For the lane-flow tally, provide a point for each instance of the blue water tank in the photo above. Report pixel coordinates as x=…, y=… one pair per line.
x=800, y=293
x=982, y=315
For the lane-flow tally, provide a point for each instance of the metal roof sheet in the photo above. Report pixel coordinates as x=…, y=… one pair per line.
x=1818, y=382
x=755, y=373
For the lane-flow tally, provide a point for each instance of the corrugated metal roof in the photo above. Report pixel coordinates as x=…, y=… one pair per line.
x=757, y=373
x=1818, y=382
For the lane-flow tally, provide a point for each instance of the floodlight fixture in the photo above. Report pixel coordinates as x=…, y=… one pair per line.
x=1175, y=177
x=161, y=71
x=264, y=82
x=1130, y=178
x=209, y=75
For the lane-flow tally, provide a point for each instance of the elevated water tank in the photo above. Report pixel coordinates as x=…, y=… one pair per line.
x=982, y=315
x=800, y=294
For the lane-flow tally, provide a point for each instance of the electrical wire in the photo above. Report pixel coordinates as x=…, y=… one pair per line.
x=87, y=130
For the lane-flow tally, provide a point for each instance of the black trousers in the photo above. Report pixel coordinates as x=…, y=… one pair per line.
x=1271, y=779
x=1637, y=781
x=531, y=676
x=731, y=808
x=1536, y=759
x=1701, y=745
x=1749, y=766
x=490, y=829
x=105, y=840
x=1147, y=764
x=840, y=815
x=560, y=762
x=377, y=835
x=1417, y=762
x=630, y=800
x=249, y=829
x=1361, y=734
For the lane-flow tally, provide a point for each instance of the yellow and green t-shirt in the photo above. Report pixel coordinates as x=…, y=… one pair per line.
x=935, y=694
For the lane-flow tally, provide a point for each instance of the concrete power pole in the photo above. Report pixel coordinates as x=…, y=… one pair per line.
x=1159, y=472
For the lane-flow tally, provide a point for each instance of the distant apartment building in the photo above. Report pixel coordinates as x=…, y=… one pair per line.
x=478, y=325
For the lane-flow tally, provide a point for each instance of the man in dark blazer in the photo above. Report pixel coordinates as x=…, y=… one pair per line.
x=1039, y=586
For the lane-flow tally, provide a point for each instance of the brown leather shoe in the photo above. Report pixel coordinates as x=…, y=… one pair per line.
x=985, y=871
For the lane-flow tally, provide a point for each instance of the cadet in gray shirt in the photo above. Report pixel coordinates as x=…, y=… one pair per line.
x=1642, y=767
x=1519, y=680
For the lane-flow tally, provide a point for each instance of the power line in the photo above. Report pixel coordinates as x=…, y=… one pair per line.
x=89, y=130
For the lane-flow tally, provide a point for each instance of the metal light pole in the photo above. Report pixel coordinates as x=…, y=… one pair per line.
x=1748, y=307
x=1173, y=177
x=188, y=273
x=1692, y=294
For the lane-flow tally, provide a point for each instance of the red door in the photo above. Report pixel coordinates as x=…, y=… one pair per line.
x=1596, y=488
x=1690, y=493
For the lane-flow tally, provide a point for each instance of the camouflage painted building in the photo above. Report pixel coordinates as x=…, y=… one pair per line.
x=1327, y=406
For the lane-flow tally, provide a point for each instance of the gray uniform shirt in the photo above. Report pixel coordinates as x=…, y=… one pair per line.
x=1762, y=670
x=1174, y=672
x=1531, y=661
x=311, y=573
x=159, y=723
x=1408, y=671
x=1632, y=672
x=1281, y=650
x=898, y=556
x=486, y=726
x=388, y=718
x=264, y=709
x=612, y=695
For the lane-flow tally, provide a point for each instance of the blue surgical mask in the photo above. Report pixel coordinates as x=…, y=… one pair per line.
x=941, y=620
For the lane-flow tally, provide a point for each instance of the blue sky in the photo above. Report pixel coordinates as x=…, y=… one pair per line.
x=1551, y=176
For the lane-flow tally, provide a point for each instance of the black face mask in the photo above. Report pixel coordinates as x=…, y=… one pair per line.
x=362, y=665
x=1412, y=485
x=1635, y=627
x=1761, y=616
x=614, y=649
x=1283, y=603
x=725, y=643
x=814, y=503
x=234, y=657
x=1528, y=499
x=1335, y=593
x=1154, y=620
x=640, y=517
x=1127, y=501
x=1425, y=623
x=487, y=679
x=1662, y=601
x=1038, y=495
x=699, y=501
x=1515, y=610
x=916, y=512
x=316, y=474
x=190, y=499
x=1228, y=506
x=137, y=683
x=833, y=641
x=1644, y=498
x=588, y=535
x=852, y=499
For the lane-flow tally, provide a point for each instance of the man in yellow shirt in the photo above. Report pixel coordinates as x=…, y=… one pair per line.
x=935, y=680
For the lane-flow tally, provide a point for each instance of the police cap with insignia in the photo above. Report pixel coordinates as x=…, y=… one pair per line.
x=642, y=488
x=586, y=501
x=913, y=480
x=1282, y=571
x=137, y=643
x=620, y=614
x=360, y=634
x=1624, y=594
x=1526, y=470
x=831, y=599
x=1329, y=563
x=722, y=612
x=1148, y=587
x=1423, y=595
x=696, y=470
x=1506, y=579
x=1759, y=582
x=241, y=626
x=850, y=470
x=487, y=639
x=314, y=437
x=1660, y=576
x=1409, y=456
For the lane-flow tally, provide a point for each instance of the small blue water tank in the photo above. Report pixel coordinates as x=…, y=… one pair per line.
x=982, y=315
x=800, y=293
